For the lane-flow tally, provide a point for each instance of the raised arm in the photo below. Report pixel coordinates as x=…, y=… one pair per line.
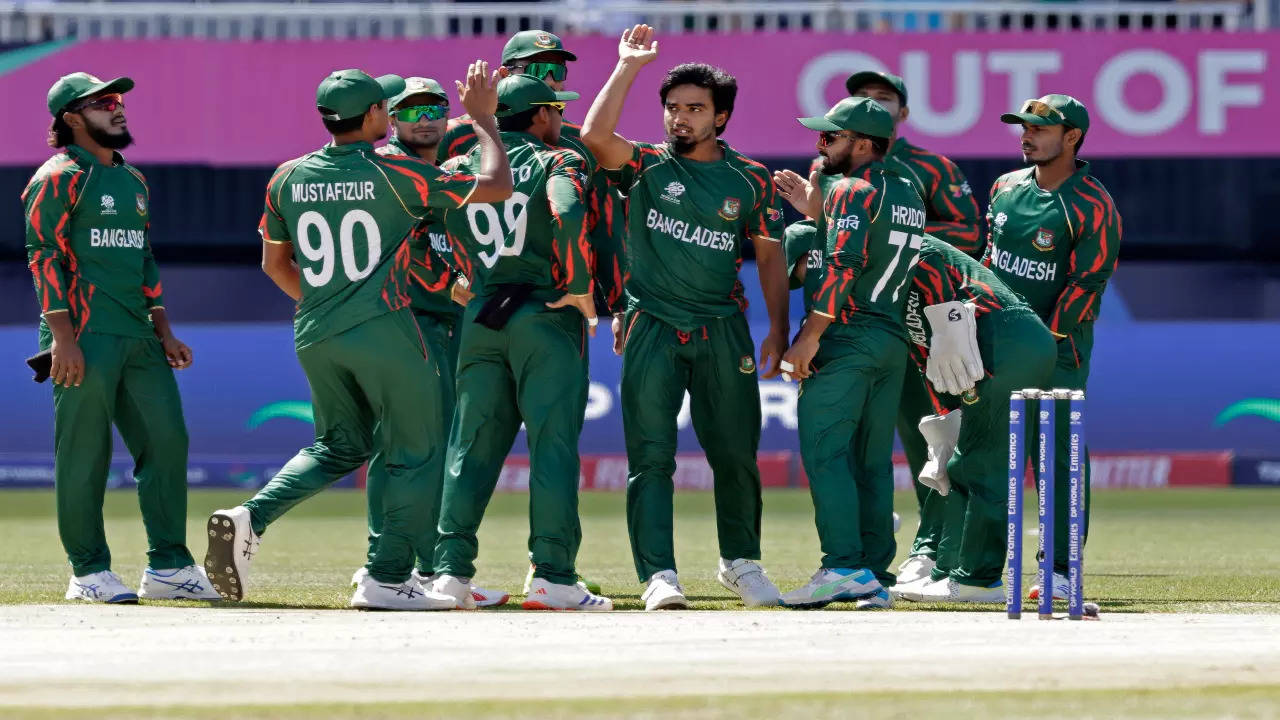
x=636, y=49
x=480, y=97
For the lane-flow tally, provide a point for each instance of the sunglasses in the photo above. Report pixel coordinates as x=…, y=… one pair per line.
x=826, y=137
x=558, y=105
x=541, y=70
x=109, y=103
x=1039, y=109
x=417, y=112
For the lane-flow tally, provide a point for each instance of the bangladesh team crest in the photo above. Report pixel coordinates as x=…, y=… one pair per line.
x=141, y=204
x=1044, y=240
x=970, y=396
x=544, y=40
x=731, y=208
x=747, y=365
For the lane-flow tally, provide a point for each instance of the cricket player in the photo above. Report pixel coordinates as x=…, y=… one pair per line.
x=692, y=203
x=1055, y=239
x=543, y=55
x=335, y=236
x=113, y=353
x=951, y=215
x=851, y=352
x=436, y=296
x=523, y=355
x=957, y=308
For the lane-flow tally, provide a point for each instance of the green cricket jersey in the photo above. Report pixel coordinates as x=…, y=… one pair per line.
x=951, y=210
x=1056, y=249
x=943, y=274
x=349, y=212
x=874, y=231
x=430, y=275
x=803, y=244
x=89, y=246
x=606, y=208
x=538, y=236
x=686, y=222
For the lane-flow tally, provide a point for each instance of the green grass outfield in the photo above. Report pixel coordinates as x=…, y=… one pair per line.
x=1183, y=550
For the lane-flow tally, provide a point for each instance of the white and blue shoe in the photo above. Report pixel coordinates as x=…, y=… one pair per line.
x=830, y=585
x=185, y=583
x=546, y=595
x=103, y=587
x=882, y=600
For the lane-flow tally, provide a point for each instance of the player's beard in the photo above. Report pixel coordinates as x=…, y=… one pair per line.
x=683, y=145
x=418, y=146
x=107, y=139
x=837, y=165
x=1048, y=159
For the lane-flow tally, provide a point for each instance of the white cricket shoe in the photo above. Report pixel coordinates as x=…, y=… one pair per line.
x=914, y=568
x=588, y=585
x=912, y=591
x=232, y=546
x=1061, y=588
x=103, y=586
x=185, y=583
x=882, y=600
x=371, y=594
x=948, y=590
x=546, y=595
x=483, y=596
x=747, y=579
x=360, y=574
x=664, y=592
x=458, y=589
x=830, y=585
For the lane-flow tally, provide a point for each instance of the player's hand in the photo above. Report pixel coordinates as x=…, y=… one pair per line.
x=586, y=304
x=637, y=46
x=479, y=94
x=804, y=195
x=460, y=294
x=799, y=357
x=771, y=352
x=618, y=335
x=68, y=363
x=176, y=352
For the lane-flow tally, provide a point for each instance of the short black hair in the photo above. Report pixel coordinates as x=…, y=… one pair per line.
x=723, y=86
x=345, y=125
x=519, y=122
x=60, y=134
x=879, y=145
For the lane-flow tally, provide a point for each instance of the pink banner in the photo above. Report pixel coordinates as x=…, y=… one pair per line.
x=231, y=103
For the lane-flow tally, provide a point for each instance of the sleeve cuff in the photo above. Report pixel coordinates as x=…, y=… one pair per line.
x=815, y=311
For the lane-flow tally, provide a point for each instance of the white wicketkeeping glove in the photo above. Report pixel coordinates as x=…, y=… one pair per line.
x=941, y=432
x=955, y=364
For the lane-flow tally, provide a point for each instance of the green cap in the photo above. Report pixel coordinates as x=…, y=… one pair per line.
x=349, y=93
x=859, y=114
x=78, y=86
x=1051, y=110
x=517, y=93
x=528, y=43
x=417, y=86
x=866, y=77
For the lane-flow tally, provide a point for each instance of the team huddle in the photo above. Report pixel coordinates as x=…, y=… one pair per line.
x=447, y=282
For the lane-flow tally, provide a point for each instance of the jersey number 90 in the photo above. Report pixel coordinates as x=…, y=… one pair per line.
x=323, y=251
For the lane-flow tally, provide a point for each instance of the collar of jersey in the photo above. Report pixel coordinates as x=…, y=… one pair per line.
x=1082, y=169
x=521, y=136
x=347, y=149
x=866, y=167
x=85, y=157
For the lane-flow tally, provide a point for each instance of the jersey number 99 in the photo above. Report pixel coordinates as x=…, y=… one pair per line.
x=496, y=233
x=322, y=251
